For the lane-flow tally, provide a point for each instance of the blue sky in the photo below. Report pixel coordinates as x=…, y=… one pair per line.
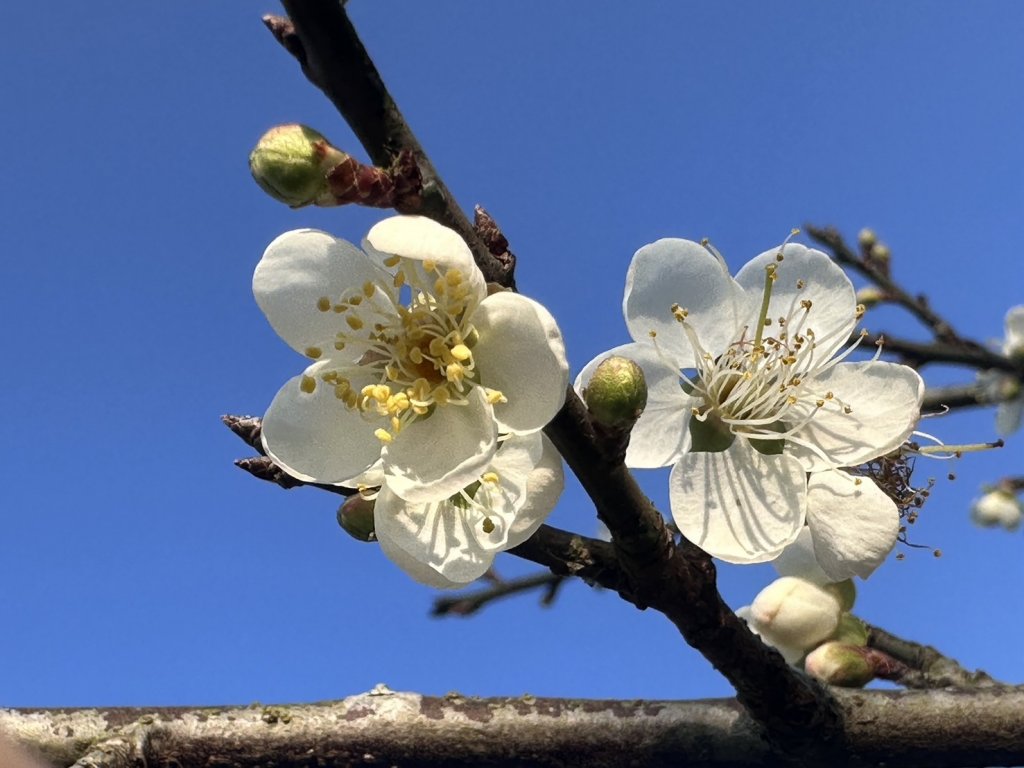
x=140, y=567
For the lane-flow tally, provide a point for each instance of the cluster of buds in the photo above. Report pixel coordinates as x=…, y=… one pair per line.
x=812, y=625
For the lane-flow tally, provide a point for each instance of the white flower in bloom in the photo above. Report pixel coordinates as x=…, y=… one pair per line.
x=450, y=542
x=748, y=392
x=998, y=507
x=414, y=363
x=793, y=616
x=1004, y=387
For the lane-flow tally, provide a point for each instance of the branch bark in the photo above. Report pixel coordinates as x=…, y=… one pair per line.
x=941, y=729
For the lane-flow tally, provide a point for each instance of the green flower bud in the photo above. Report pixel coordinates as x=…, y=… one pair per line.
x=355, y=516
x=840, y=664
x=617, y=393
x=880, y=252
x=851, y=631
x=867, y=238
x=290, y=163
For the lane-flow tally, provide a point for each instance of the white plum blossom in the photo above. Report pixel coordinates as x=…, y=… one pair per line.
x=749, y=391
x=999, y=506
x=1004, y=387
x=413, y=363
x=453, y=541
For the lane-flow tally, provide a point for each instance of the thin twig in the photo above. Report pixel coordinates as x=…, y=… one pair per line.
x=468, y=603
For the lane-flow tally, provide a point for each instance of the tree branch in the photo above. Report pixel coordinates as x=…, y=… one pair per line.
x=939, y=728
x=927, y=667
x=469, y=602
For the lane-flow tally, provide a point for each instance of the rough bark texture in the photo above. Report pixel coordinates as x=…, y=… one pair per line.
x=941, y=729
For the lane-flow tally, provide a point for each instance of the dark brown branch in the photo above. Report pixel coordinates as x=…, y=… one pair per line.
x=917, y=354
x=897, y=729
x=941, y=398
x=323, y=41
x=469, y=602
x=927, y=668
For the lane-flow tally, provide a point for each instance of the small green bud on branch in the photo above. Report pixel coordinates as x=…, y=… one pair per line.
x=355, y=516
x=617, y=393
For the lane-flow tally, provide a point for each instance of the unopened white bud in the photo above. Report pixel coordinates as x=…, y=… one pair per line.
x=795, y=613
x=870, y=296
x=998, y=507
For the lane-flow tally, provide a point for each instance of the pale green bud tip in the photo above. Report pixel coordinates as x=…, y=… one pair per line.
x=290, y=163
x=867, y=238
x=845, y=592
x=870, y=296
x=617, y=392
x=840, y=664
x=880, y=252
x=851, y=631
x=355, y=517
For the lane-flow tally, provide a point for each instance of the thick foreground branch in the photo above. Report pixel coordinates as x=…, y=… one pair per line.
x=941, y=729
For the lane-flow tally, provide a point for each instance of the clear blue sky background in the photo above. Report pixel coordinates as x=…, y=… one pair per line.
x=140, y=567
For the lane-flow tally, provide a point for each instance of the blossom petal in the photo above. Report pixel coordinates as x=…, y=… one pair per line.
x=1014, y=342
x=1008, y=416
x=673, y=271
x=544, y=486
x=420, y=571
x=832, y=314
x=422, y=239
x=885, y=405
x=296, y=271
x=439, y=455
x=798, y=560
x=520, y=353
x=738, y=505
x=853, y=524
x=314, y=437
x=791, y=655
x=660, y=435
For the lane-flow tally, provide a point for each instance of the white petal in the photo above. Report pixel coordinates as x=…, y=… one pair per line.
x=441, y=454
x=791, y=655
x=738, y=505
x=420, y=571
x=673, y=271
x=449, y=539
x=659, y=436
x=314, y=437
x=1014, y=342
x=520, y=353
x=296, y=271
x=543, y=488
x=853, y=526
x=1008, y=416
x=833, y=301
x=885, y=402
x=798, y=559
x=517, y=456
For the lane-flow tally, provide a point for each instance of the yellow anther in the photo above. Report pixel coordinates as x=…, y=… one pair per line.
x=339, y=345
x=323, y=304
x=652, y=333
x=858, y=481
x=356, y=300
x=396, y=424
x=461, y=353
x=429, y=265
x=392, y=261
x=441, y=396
x=494, y=397
x=399, y=280
x=791, y=400
x=819, y=403
x=313, y=352
x=859, y=312
x=384, y=436
x=437, y=347
x=487, y=525
x=490, y=477
x=440, y=286
x=829, y=395
x=307, y=384
x=800, y=285
x=454, y=372
x=805, y=303
x=391, y=371
x=416, y=355
x=453, y=277
x=354, y=322
x=847, y=409
x=368, y=289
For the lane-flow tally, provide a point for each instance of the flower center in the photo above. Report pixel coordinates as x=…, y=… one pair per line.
x=763, y=386
x=421, y=349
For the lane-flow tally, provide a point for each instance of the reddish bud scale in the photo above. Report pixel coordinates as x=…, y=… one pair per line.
x=352, y=182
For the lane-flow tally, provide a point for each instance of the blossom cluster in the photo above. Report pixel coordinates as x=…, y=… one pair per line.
x=752, y=403
x=420, y=382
